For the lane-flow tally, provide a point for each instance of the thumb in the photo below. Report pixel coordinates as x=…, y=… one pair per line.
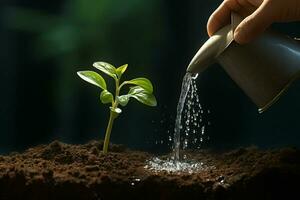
x=253, y=25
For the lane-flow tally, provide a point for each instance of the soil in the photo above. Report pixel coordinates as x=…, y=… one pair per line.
x=64, y=171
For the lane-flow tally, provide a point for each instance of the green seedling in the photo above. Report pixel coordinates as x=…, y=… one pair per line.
x=141, y=89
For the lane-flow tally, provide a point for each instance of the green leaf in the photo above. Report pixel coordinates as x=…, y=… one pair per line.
x=106, y=97
x=106, y=68
x=142, y=82
x=121, y=70
x=143, y=96
x=93, y=78
x=123, y=100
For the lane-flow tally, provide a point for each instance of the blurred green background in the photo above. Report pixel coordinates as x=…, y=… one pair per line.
x=44, y=43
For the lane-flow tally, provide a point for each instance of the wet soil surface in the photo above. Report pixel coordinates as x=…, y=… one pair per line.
x=63, y=171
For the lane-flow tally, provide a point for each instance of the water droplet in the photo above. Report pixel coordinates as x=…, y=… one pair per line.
x=221, y=179
x=203, y=130
x=185, y=144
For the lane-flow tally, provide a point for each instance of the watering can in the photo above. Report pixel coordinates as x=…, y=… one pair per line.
x=263, y=69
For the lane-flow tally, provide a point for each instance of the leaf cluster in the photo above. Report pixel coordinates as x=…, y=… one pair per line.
x=140, y=89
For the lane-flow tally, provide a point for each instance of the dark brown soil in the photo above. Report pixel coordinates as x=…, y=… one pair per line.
x=63, y=171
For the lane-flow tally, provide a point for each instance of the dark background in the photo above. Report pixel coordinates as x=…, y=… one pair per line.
x=44, y=43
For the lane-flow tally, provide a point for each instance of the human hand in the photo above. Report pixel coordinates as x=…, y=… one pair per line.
x=258, y=14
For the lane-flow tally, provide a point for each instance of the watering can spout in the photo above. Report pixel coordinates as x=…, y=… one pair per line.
x=263, y=69
x=208, y=53
x=214, y=46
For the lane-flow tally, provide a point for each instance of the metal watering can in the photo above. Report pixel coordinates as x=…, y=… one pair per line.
x=263, y=69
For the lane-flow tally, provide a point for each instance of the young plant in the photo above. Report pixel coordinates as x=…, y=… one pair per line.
x=141, y=89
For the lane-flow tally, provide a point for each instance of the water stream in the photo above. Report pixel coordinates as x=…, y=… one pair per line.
x=188, y=134
x=186, y=84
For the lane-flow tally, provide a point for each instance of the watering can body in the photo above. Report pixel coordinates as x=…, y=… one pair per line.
x=263, y=69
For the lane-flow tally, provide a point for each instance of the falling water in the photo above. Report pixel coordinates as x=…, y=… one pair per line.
x=186, y=84
x=186, y=134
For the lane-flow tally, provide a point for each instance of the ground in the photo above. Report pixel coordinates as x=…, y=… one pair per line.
x=64, y=171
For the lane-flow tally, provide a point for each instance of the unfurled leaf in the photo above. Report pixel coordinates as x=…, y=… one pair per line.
x=106, y=97
x=142, y=82
x=93, y=78
x=123, y=100
x=142, y=96
x=106, y=68
x=121, y=70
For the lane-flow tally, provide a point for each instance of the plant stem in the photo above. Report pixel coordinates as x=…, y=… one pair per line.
x=108, y=131
x=112, y=117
